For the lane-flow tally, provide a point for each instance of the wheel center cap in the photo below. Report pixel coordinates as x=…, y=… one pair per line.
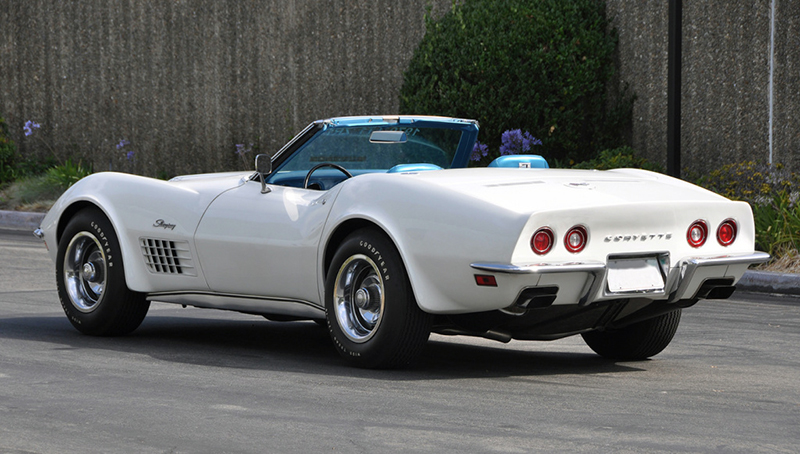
x=89, y=271
x=362, y=298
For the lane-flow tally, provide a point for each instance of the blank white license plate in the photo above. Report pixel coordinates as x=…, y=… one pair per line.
x=634, y=275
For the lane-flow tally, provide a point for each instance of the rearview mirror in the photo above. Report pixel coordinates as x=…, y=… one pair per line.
x=388, y=137
x=264, y=168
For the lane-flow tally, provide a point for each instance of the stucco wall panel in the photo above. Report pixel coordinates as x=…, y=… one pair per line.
x=184, y=81
x=726, y=80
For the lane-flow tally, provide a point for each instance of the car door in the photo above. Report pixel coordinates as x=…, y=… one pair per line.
x=257, y=244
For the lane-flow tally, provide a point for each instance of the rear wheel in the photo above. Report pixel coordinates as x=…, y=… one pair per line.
x=372, y=316
x=637, y=341
x=91, y=279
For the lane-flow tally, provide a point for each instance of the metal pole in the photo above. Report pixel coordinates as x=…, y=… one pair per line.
x=674, y=89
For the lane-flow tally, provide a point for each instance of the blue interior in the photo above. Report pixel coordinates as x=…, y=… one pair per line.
x=326, y=178
x=524, y=161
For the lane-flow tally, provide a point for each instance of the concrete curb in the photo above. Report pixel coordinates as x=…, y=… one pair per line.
x=768, y=282
x=20, y=220
x=752, y=281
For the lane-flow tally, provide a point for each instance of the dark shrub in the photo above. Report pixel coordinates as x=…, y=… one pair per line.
x=622, y=157
x=8, y=154
x=539, y=65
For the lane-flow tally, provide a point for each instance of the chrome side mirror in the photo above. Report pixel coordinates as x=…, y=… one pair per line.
x=264, y=168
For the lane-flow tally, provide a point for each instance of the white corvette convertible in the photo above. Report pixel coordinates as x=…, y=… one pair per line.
x=374, y=227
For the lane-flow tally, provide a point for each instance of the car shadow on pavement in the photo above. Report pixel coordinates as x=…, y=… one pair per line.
x=254, y=343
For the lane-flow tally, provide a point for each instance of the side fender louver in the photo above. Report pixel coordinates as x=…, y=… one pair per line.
x=167, y=257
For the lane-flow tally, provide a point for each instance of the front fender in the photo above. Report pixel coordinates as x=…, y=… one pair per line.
x=138, y=207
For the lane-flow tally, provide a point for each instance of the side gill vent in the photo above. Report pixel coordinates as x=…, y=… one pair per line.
x=167, y=257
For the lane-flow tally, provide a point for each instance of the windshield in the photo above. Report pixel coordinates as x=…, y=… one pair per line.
x=352, y=148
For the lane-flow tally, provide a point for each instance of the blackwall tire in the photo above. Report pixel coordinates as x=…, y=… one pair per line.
x=372, y=315
x=637, y=341
x=90, y=278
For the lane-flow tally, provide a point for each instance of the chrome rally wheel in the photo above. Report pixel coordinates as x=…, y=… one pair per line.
x=358, y=298
x=373, y=318
x=90, y=277
x=85, y=271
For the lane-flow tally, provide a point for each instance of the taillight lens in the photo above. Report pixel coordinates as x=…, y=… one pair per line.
x=726, y=233
x=575, y=239
x=697, y=233
x=542, y=241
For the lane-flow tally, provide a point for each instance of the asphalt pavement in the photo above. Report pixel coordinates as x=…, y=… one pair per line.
x=202, y=381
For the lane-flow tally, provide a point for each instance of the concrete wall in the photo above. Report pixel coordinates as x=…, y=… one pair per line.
x=728, y=54
x=184, y=81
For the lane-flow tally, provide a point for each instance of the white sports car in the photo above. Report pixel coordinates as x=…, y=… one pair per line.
x=374, y=227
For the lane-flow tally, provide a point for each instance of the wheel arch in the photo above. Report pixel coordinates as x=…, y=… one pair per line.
x=340, y=233
x=69, y=212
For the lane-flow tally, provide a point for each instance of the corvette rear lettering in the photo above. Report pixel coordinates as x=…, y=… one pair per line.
x=640, y=237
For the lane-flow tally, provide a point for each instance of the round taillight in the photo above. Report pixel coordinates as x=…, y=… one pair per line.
x=542, y=241
x=726, y=233
x=697, y=233
x=575, y=239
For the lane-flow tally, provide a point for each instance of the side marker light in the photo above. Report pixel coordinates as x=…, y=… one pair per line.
x=485, y=280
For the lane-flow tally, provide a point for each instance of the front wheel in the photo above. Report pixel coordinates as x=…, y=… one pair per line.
x=637, y=341
x=372, y=315
x=91, y=279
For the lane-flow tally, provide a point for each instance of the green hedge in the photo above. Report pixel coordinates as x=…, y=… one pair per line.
x=772, y=191
x=619, y=158
x=540, y=66
x=8, y=154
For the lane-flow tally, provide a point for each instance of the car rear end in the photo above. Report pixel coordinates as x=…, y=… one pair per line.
x=665, y=250
x=583, y=238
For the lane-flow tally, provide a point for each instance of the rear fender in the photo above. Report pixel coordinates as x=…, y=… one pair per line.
x=436, y=231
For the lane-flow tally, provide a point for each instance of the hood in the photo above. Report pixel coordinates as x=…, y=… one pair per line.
x=211, y=183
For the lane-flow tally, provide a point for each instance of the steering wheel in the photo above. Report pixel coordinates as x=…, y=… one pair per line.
x=325, y=164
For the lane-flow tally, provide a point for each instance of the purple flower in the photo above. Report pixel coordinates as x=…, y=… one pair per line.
x=130, y=154
x=122, y=143
x=515, y=141
x=479, y=151
x=29, y=127
x=241, y=150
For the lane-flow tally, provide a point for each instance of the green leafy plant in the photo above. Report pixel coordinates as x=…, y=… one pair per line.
x=8, y=155
x=38, y=192
x=777, y=224
x=32, y=193
x=67, y=174
x=539, y=66
x=623, y=157
x=773, y=192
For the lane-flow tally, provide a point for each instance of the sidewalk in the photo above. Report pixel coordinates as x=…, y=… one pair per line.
x=752, y=281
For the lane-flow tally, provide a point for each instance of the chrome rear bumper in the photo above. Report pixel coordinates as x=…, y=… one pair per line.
x=679, y=279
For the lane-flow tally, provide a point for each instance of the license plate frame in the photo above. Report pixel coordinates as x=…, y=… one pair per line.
x=634, y=275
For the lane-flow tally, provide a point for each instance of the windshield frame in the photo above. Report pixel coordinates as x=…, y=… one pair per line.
x=469, y=129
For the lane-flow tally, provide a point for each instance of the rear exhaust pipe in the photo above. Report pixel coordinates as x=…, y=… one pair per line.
x=500, y=336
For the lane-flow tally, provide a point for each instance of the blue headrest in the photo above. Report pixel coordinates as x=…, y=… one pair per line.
x=532, y=161
x=401, y=168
